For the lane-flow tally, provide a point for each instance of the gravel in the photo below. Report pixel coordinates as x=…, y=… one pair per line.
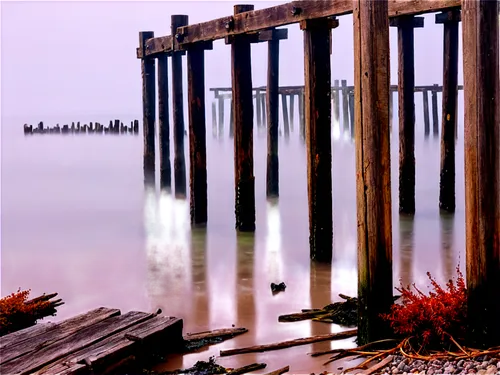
x=483, y=365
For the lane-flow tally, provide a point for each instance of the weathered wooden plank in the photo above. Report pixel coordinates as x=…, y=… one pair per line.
x=318, y=108
x=134, y=341
x=373, y=167
x=27, y=340
x=163, y=123
x=77, y=341
x=482, y=169
x=272, y=97
x=217, y=333
x=449, y=111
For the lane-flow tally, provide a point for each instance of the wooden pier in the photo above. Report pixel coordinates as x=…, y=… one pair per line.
x=89, y=343
x=367, y=106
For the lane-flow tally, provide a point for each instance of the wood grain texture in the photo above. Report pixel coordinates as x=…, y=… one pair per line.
x=317, y=69
x=373, y=169
x=272, y=97
x=22, y=342
x=449, y=112
x=482, y=169
x=73, y=343
x=197, y=136
x=164, y=123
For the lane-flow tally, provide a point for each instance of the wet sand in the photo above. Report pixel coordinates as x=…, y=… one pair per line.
x=77, y=220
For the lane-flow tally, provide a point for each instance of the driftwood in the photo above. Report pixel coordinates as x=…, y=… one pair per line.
x=279, y=371
x=290, y=343
x=359, y=348
x=247, y=369
x=197, y=340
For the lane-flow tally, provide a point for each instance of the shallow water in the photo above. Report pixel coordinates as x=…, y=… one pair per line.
x=77, y=220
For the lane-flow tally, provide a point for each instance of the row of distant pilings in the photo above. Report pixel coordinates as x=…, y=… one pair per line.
x=342, y=96
x=115, y=127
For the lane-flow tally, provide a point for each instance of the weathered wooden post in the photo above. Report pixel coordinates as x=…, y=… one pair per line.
x=345, y=105
x=221, y=116
x=435, y=119
x=178, y=108
x=163, y=122
x=406, y=99
x=292, y=111
x=258, y=103
x=284, y=108
x=427, y=127
x=318, y=108
x=373, y=167
x=263, y=103
x=450, y=20
x=482, y=169
x=241, y=73
x=197, y=133
x=148, y=107
x=272, y=96
x=336, y=102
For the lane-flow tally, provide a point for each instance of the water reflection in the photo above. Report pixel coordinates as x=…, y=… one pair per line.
x=406, y=243
x=320, y=290
x=447, y=224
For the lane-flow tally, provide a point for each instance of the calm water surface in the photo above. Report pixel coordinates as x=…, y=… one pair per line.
x=78, y=220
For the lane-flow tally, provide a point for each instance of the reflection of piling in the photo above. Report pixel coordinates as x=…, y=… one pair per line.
x=214, y=120
x=272, y=94
x=336, y=102
x=178, y=111
x=221, y=116
x=435, y=119
x=258, y=104
x=317, y=35
x=243, y=129
x=292, y=110
x=284, y=108
x=450, y=21
x=199, y=276
x=373, y=168
x=301, y=115
x=163, y=122
x=427, y=127
x=148, y=103
x=447, y=223
x=406, y=244
x=320, y=292
x=351, y=112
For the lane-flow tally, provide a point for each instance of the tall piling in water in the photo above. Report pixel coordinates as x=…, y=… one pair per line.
x=317, y=36
x=241, y=74
x=450, y=20
x=163, y=122
x=284, y=109
x=427, y=126
x=435, y=118
x=148, y=107
x=406, y=99
x=482, y=169
x=272, y=97
x=197, y=133
x=373, y=167
x=345, y=105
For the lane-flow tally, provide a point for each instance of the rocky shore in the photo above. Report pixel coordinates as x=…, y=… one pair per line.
x=483, y=365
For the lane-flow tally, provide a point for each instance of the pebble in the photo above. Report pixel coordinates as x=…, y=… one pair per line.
x=483, y=365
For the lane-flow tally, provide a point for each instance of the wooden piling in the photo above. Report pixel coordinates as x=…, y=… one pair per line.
x=373, y=167
x=292, y=112
x=406, y=111
x=336, y=102
x=301, y=115
x=345, y=105
x=263, y=108
x=178, y=111
x=351, y=113
x=284, y=108
x=427, y=127
x=317, y=35
x=148, y=107
x=241, y=73
x=258, y=103
x=450, y=21
x=272, y=97
x=163, y=122
x=482, y=169
x=214, y=120
x=435, y=119
x=197, y=136
x=221, y=116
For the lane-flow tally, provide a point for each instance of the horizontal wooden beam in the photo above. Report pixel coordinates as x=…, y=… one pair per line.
x=262, y=36
x=418, y=22
x=449, y=16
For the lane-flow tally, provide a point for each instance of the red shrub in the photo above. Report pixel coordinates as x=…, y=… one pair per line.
x=430, y=318
x=16, y=312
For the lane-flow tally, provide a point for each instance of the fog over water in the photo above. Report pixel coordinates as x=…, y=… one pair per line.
x=76, y=218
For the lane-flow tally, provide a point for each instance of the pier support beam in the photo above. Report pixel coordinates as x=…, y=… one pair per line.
x=178, y=111
x=482, y=169
x=406, y=99
x=450, y=19
x=435, y=119
x=241, y=73
x=272, y=97
x=427, y=126
x=148, y=107
x=286, y=123
x=318, y=135
x=221, y=116
x=197, y=133
x=336, y=103
x=345, y=105
x=373, y=166
x=163, y=119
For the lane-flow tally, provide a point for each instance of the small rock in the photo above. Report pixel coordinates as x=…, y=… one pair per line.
x=401, y=365
x=498, y=364
x=395, y=371
x=491, y=369
x=481, y=372
x=461, y=363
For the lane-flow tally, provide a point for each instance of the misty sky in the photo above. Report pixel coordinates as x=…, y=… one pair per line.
x=78, y=58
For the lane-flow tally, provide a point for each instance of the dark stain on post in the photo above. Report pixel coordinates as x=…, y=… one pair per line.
x=272, y=96
x=241, y=72
x=178, y=111
x=163, y=119
x=450, y=20
x=317, y=35
x=148, y=108
x=197, y=136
